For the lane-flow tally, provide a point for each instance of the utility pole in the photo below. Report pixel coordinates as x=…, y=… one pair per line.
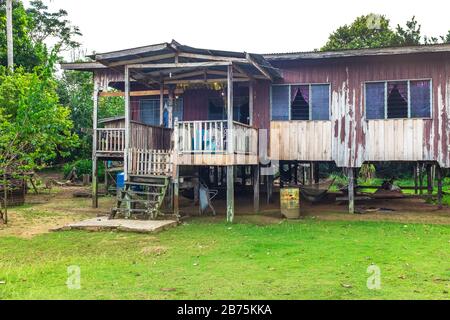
x=9, y=34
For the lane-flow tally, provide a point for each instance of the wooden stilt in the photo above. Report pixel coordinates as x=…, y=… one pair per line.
x=430, y=179
x=256, y=188
x=351, y=191
x=269, y=186
x=95, y=183
x=311, y=173
x=316, y=173
x=230, y=194
x=420, y=178
x=439, y=179
x=416, y=178
x=176, y=191
x=94, y=148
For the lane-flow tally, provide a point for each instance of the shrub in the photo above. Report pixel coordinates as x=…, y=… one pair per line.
x=83, y=166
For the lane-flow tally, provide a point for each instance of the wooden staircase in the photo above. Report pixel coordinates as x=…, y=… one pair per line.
x=142, y=197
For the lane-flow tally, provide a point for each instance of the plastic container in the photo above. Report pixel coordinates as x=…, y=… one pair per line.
x=120, y=180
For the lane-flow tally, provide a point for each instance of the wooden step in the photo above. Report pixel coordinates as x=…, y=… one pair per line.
x=144, y=184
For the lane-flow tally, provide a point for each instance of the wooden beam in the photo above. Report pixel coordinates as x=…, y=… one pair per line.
x=439, y=179
x=161, y=104
x=242, y=71
x=230, y=145
x=230, y=194
x=250, y=101
x=142, y=60
x=127, y=121
x=139, y=93
x=94, y=147
x=351, y=190
x=257, y=66
x=256, y=173
x=179, y=65
x=218, y=80
x=211, y=57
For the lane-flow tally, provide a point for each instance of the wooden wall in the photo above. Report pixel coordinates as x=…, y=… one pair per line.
x=304, y=140
x=355, y=140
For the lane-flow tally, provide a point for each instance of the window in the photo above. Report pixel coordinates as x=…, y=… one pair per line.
x=301, y=102
x=217, y=109
x=398, y=99
x=150, y=113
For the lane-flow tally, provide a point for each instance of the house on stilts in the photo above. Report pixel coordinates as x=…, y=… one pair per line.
x=225, y=112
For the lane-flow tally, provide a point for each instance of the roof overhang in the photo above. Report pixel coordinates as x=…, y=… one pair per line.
x=389, y=51
x=175, y=63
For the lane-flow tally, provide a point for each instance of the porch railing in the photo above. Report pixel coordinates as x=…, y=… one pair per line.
x=111, y=140
x=212, y=137
x=143, y=162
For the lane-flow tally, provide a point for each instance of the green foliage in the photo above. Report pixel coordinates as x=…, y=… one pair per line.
x=411, y=34
x=32, y=27
x=367, y=172
x=374, y=31
x=364, y=32
x=34, y=127
x=75, y=90
x=83, y=166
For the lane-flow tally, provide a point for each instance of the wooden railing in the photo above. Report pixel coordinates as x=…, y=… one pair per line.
x=143, y=162
x=211, y=137
x=143, y=136
x=111, y=140
x=245, y=139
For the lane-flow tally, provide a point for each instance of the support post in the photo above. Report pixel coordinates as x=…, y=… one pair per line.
x=316, y=173
x=250, y=101
x=420, y=178
x=416, y=178
x=269, y=186
x=9, y=34
x=256, y=188
x=161, y=104
x=351, y=191
x=127, y=122
x=94, y=147
x=311, y=173
x=439, y=179
x=95, y=183
x=171, y=105
x=230, y=146
x=176, y=173
x=430, y=180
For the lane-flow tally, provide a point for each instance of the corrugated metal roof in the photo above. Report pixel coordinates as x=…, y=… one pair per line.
x=357, y=52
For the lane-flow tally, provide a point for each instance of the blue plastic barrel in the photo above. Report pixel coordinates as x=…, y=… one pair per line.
x=120, y=180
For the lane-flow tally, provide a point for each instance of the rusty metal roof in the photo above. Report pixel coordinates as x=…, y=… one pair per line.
x=311, y=55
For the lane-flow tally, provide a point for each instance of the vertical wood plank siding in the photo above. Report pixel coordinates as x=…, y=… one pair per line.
x=355, y=140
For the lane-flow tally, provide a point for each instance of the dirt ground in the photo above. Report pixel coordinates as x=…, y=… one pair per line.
x=58, y=207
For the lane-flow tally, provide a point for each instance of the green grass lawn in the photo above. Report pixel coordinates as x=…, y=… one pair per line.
x=212, y=260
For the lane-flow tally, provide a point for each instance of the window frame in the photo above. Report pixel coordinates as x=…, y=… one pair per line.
x=408, y=81
x=310, y=102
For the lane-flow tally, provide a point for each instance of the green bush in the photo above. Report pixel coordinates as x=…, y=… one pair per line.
x=83, y=166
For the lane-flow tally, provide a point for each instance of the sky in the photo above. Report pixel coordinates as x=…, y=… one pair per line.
x=256, y=26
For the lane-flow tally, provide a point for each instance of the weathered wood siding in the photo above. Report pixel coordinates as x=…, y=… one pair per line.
x=396, y=139
x=355, y=140
x=150, y=137
x=305, y=140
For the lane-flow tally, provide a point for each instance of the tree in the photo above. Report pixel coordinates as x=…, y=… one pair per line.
x=75, y=90
x=34, y=127
x=32, y=28
x=367, y=31
x=374, y=31
x=411, y=34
